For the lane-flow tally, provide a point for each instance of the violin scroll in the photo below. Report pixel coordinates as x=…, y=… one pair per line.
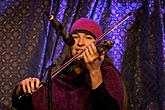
x=105, y=46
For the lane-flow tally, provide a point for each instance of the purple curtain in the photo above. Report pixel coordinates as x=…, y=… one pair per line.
x=27, y=40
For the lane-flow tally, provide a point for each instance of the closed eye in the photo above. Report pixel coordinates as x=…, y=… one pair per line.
x=75, y=36
x=88, y=37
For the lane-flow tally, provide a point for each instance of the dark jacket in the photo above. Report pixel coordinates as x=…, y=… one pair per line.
x=76, y=94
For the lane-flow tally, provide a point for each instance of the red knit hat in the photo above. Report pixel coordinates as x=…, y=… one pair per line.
x=88, y=26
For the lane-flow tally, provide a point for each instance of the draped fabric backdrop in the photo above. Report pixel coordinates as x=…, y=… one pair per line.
x=27, y=40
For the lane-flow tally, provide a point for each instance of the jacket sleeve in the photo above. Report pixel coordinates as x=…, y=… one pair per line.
x=109, y=95
x=23, y=102
x=102, y=100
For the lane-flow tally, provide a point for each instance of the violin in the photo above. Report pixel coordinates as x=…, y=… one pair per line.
x=106, y=45
x=101, y=47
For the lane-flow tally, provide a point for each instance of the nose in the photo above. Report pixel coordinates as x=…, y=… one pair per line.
x=80, y=41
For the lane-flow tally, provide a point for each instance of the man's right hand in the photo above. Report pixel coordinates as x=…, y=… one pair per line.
x=28, y=85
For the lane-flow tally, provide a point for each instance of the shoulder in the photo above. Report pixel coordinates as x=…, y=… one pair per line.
x=112, y=81
x=114, y=84
x=109, y=69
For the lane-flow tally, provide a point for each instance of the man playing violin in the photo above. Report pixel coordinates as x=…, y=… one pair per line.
x=89, y=83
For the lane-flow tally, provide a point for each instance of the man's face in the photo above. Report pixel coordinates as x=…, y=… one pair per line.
x=82, y=40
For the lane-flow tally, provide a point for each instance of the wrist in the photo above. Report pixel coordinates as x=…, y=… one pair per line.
x=96, y=79
x=95, y=72
x=96, y=84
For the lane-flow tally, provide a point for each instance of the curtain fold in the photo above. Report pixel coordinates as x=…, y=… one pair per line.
x=142, y=66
